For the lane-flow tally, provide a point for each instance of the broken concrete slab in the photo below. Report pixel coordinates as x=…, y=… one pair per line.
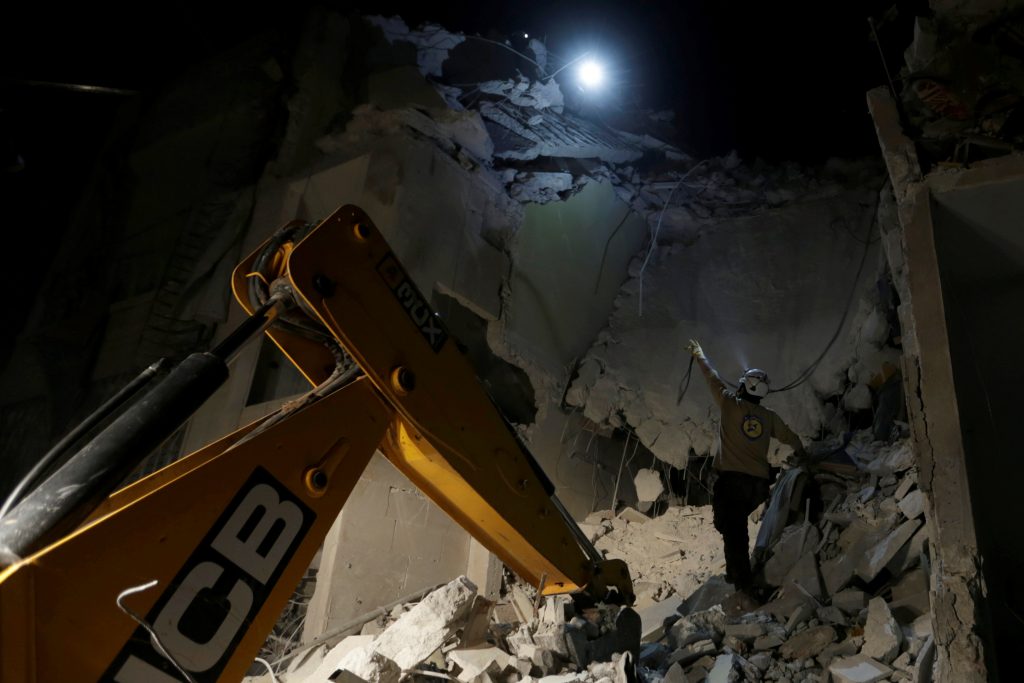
x=425, y=627
x=648, y=485
x=363, y=662
x=858, y=669
x=910, y=598
x=653, y=618
x=768, y=642
x=910, y=554
x=912, y=505
x=724, y=670
x=805, y=574
x=745, y=631
x=909, y=481
x=925, y=661
x=474, y=662
x=882, y=634
x=850, y=600
x=876, y=558
x=808, y=643
x=788, y=551
x=692, y=652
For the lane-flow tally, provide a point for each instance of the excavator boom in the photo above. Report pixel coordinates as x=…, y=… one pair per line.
x=181, y=575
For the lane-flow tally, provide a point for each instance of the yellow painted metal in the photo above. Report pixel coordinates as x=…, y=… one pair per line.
x=420, y=402
x=457, y=448
x=58, y=618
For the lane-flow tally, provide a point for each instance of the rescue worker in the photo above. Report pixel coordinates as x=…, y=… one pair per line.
x=744, y=474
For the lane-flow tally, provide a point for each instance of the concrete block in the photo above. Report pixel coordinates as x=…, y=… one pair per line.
x=912, y=505
x=692, y=652
x=851, y=600
x=648, y=485
x=910, y=598
x=477, y=661
x=653, y=619
x=745, y=632
x=368, y=665
x=425, y=627
x=768, y=642
x=910, y=554
x=725, y=670
x=925, y=661
x=808, y=643
x=909, y=482
x=805, y=574
x=882, y=635
x=878, y=557
x=858, y=669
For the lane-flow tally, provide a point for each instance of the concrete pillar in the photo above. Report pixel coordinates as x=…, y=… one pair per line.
x=484, y=569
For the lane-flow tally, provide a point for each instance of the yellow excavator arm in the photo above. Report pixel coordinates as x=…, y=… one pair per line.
x=181, y=575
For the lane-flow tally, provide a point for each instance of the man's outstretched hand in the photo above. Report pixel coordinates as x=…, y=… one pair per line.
x=694, y=348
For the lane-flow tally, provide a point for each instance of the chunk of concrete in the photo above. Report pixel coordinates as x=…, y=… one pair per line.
x=838, y=571
x=831, y=615
x=910, y=596
x=876, y=558
x=371, y=666
x=903, y=489
x=768, y=642
x=725, y=670
x=746, y=632
x=858, y=669
x=808, y=643
x=805, y=574
x=851, y=600
x=787, y=551
x=912, y=505
x=675, y=674
x=425, y=627
x=692, y=652
x=910, y=554
x=633, y=516
x=474, y=662
x=925, y=661
x=922, y=626
x=648, y=485
x=652, y=619
x=882, y=635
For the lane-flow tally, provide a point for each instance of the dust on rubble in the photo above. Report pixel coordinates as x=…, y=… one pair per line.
x=845, y=589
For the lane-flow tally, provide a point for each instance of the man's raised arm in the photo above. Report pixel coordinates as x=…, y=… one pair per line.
x=715, y=384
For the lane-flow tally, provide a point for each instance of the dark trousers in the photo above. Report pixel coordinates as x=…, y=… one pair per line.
x=735, y=496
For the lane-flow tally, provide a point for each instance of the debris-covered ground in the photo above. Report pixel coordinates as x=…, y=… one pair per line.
x=846, y=589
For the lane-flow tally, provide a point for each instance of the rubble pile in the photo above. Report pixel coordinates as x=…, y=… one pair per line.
x=849, y=587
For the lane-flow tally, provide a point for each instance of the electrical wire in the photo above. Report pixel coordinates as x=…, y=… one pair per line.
x=809, y=370
x=149, y=629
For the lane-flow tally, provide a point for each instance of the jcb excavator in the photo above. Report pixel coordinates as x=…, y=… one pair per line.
x=181, y=575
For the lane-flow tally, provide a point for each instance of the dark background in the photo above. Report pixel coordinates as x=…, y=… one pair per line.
x=780, y=81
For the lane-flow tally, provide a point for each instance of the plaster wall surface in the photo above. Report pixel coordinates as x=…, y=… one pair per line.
x=765, y=291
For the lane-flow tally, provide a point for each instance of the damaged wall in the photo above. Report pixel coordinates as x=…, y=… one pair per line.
x=764, y=290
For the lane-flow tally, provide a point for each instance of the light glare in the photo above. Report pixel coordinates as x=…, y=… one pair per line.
x=591, y=73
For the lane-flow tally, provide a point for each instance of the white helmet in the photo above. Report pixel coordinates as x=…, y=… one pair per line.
x=755, y=382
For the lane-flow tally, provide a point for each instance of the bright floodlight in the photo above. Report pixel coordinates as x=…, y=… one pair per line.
x=591, y=73
x=526, y=35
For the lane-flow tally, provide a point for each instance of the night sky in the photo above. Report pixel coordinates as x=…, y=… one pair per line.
x=776, y=80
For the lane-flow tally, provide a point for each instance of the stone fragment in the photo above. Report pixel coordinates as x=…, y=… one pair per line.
x=903, y=489
x=364, y=662
x=633, y=516
x=902, y=662
x=675, y=674
x=808, y=643
x=477, y=661
x=909, y=555
x=648, y=485
x=858, y=669
x=924, y=662
x=652, y=619
x=838, y=571
x=734, y=644
x=762, y=660
x=848, y=647
x=545, y=660
x=745, y=631
x=851, y=600
x=912, y=505
x=910, y=596
x=831, y=615
x=724, y=670
x=876, y=558
x=922, y=626
x=693, y=652
x=805, y=574
x=882, y=635
x=768, y=642
x=788, y=550
x=425, y=627
x=801, y=614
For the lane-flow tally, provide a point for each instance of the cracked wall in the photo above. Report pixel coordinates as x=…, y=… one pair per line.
x=764, y=290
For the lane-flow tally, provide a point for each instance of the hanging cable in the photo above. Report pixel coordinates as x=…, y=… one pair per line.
x=809, y=370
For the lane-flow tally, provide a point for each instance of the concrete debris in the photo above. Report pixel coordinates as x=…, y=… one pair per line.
x=808, y=643
x=858, y=669
x=912, y=505
x=648, y=485
x=882, y=635
x=432, y=42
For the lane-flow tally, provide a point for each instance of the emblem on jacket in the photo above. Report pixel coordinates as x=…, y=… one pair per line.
x=753, y=428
